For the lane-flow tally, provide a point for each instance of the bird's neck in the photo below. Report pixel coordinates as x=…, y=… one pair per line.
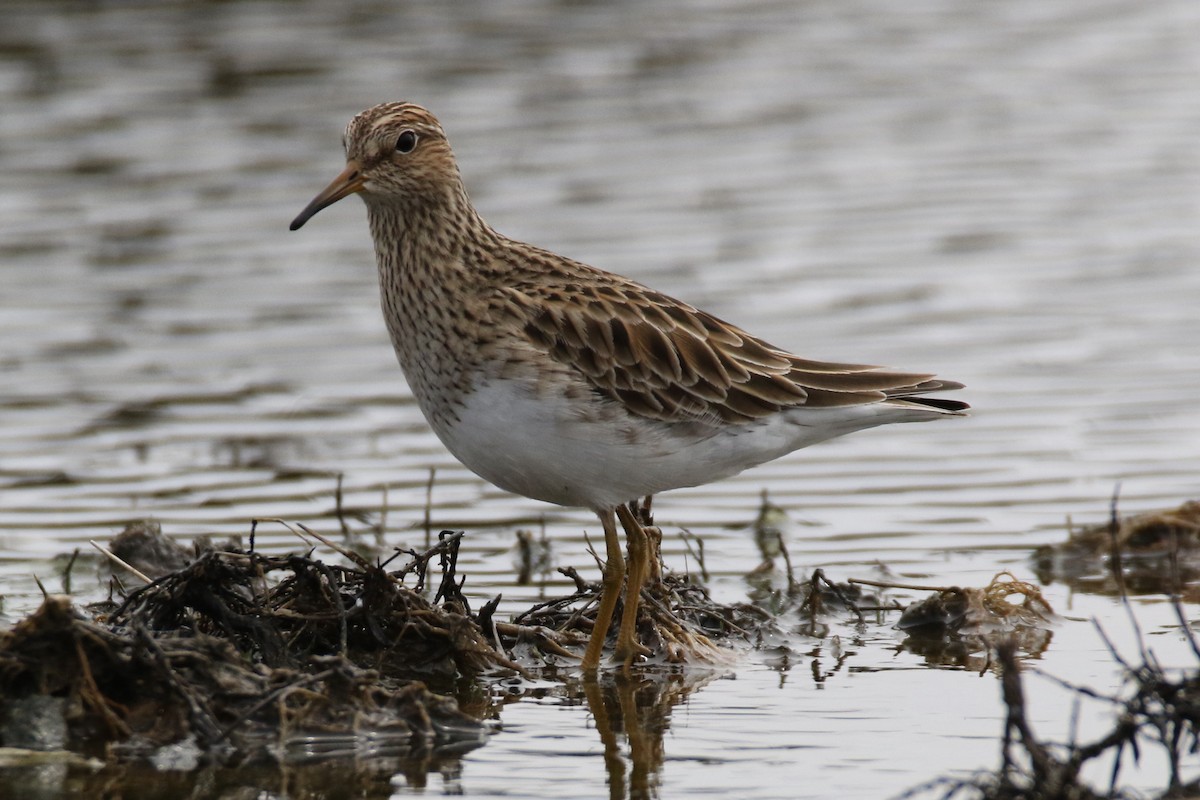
x=429, y=254
x=426, y=237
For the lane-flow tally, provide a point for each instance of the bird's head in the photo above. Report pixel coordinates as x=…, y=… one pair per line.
x=395, y=152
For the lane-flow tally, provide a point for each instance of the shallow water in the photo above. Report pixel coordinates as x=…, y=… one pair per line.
x=1005, y=194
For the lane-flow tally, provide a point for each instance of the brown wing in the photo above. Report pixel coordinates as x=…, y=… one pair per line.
x=666, y=360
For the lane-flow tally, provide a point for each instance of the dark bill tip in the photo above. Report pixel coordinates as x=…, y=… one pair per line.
x=304, y=216
x=344, y=185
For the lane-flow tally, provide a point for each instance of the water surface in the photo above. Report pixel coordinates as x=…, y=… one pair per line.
x=1004, y=194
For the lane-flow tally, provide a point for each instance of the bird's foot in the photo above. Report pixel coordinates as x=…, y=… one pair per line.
x=625, y=652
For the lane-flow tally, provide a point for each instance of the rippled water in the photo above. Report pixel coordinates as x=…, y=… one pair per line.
x=1006, y=194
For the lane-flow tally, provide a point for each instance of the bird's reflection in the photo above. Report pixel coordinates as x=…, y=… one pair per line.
x=632, y=712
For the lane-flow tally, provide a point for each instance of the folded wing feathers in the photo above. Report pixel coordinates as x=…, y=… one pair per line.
x=666, y=360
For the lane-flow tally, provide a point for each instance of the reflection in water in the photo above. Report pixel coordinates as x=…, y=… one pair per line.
x=370, y=778
x=974, y=652
x=635, y=706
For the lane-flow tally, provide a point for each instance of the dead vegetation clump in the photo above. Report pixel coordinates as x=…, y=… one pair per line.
x=247, y=655
x=283, y=610
x=986, y=610
x=1157, y=550
x=954, y=625
x=957, y=609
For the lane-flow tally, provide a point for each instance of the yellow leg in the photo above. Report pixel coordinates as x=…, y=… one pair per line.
x=639, y=566
x=614, y=575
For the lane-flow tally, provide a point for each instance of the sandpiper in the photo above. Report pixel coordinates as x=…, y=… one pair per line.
x=568, y=384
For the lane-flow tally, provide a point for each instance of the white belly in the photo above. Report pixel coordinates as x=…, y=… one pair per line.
x=546, y=448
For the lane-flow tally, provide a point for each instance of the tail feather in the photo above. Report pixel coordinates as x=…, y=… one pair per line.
x=911, y=396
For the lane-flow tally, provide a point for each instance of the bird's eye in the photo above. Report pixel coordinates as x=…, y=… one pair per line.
x=406, y=142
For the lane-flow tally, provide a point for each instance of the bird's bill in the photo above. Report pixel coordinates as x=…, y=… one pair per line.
x=348, y=182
